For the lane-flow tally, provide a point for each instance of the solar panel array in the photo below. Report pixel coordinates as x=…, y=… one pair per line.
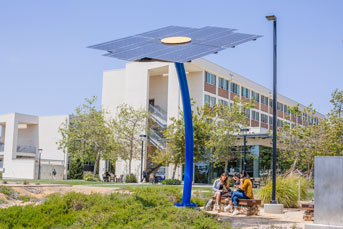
x=148, y=45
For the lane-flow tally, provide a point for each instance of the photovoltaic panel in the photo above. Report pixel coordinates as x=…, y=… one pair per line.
x=204, y=41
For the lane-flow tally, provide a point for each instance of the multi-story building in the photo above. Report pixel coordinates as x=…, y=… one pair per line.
x=154, y=86
x=28, y=148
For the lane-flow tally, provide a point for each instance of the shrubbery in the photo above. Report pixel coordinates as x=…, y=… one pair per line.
x=147, y=207
x=7, y=191
x=287, y=189
x=171, y=182
x=76, y=169
x=89, y=177
x=131, y=178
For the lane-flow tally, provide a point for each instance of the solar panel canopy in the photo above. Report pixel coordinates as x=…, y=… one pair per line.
x=148, y=45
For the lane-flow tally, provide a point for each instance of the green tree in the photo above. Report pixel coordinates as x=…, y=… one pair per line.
x=75, y=169
x=227, y=122
x=175, y=135
x=129, y=123
x=337, y=102
x=88, y=135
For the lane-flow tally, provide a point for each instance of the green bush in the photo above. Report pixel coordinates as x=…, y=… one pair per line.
x=89, y=177
x=286, y=191
x=0, y=174
x=145, y=207
x=131, y=178
x=25, y=182
x=7, y=191
x=171, y=182
x=24, y=198
x=76, y=169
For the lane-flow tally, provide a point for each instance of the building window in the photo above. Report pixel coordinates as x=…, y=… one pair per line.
x=246, y=111
x=264, y=118
x=285, y=108
x=264, y=100
x=279, y=106
x=279, y=123
x=304, y=116
x=246, y=92
x=210, y=78
x=223, y=84
x=315, y=121
x=255, y=115
x=271, y=120
x=256, y=96
x=234, y=88
x=210, y=101
x=271, y=103
x=223, y=102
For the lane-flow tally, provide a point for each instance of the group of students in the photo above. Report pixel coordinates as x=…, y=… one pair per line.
x=244, y=190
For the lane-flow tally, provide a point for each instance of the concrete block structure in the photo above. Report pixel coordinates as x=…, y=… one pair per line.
x=28, y=147
x=154, y=87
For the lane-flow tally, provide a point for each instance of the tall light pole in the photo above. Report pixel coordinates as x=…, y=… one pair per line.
x=273, y=19
x=244, y=131
x=39, y=158
x=142, y=136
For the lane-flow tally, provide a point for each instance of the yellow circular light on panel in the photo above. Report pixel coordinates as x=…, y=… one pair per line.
x=176, y=40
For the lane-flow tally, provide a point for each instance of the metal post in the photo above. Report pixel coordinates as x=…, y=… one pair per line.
x=273, y=201
x=187, y=114
x=142, y=136
x=40, y=153
x=142, y=161
x=244, y=151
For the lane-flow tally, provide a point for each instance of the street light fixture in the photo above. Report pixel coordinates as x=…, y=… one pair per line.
x=273, y=19
x=39, y=158
x=142, y=136
x=244, y=131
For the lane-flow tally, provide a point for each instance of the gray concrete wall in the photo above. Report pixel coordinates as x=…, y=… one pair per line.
x=46, y=172
x=328, y=191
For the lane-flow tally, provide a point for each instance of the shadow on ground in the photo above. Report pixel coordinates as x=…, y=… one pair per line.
x=255, y=222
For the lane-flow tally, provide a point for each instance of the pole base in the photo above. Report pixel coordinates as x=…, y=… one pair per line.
x=186, y=205
x=273, y=208
x=273, y=202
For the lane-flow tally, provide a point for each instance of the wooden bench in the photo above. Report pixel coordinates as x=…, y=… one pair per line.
x=247, y=206
x=309, y=211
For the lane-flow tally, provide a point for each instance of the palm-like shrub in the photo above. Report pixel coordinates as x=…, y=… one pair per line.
x=287, y=189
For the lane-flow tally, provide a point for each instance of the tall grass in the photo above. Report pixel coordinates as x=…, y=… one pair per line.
x=287, y=191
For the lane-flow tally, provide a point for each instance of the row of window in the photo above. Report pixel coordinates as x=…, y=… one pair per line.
x=247, y=93
x=211, y=101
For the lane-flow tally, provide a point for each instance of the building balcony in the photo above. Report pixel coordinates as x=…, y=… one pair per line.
x=27, y=149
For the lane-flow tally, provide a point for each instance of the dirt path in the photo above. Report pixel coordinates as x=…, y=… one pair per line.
x=37, y=193
x=292, y=218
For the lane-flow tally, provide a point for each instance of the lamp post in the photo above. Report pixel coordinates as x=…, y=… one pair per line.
x=39, y=157
x=244, y=131
x=142, y=136
x=273, y=19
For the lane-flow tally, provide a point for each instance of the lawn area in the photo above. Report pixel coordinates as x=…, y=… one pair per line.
x=143, y=207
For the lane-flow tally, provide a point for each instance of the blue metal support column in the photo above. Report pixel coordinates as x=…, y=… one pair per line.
x=187, y=114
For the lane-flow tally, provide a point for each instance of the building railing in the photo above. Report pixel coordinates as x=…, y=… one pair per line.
x=159, y=115
x=156, y=139
x=26, y=149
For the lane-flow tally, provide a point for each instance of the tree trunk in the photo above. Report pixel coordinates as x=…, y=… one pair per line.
x=130, y=161
x=294, y=164
x=174, y=171
x=226, y=165
x=96, y=164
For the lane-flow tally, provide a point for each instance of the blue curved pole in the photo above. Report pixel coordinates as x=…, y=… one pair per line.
x=187, y=115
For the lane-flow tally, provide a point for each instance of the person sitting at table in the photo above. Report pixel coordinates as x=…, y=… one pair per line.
x=244, y=191
x=221, y=188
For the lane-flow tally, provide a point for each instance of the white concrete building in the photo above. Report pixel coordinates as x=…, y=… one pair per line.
x=28, y=147
x=155, y=87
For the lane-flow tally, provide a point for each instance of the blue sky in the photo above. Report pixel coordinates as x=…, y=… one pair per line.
x=46, y=69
